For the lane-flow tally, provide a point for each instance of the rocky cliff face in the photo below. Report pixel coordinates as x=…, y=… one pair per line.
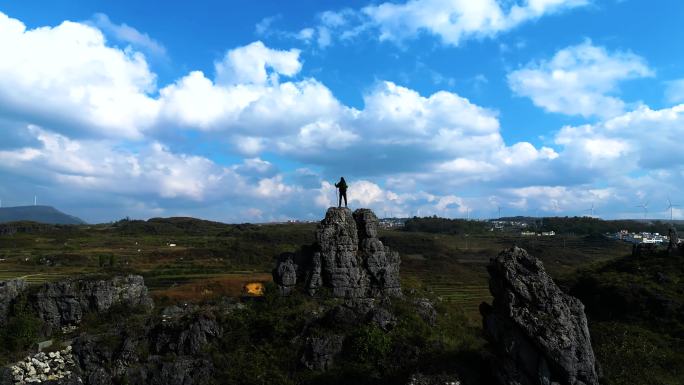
x=64, y=303
x=347, y=258
x=128, y=355
x=140, y=356
x=540, y=334
x=9, y=291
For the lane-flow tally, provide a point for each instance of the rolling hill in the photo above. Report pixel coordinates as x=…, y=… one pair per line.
x=42, y=214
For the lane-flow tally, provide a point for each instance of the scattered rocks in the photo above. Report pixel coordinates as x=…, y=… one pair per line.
x=539, y=333
x=42, y=367
x=63, y=304
x=9, y=291
x=347, y=258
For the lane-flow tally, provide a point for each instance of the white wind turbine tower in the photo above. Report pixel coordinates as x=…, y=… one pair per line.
x=591, y=210
x=499, y=211
x=645, y=207
x=556, y=208
x=670, y=207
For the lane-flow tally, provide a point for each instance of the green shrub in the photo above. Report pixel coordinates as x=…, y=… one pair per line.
x=369, y=344
x=21, y=331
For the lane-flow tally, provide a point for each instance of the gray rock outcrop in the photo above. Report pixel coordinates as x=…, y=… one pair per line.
x=64, y=303
x=348, y=258
x=140, y=355
x=539, y=334
x=9, y=291
x=353, y=312
x=320, y=351
x=285, y=273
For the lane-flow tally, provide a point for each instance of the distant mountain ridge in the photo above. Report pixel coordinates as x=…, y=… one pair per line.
x=42, y=214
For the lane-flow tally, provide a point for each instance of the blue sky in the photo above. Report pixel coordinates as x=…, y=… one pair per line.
x=249, y=111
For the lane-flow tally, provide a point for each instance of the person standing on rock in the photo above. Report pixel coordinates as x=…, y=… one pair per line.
x=342, y=186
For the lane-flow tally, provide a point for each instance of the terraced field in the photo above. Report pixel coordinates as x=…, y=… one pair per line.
x=32, y=277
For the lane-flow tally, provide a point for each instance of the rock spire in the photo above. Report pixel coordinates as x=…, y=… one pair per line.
x=348, y=258
x=539, y=333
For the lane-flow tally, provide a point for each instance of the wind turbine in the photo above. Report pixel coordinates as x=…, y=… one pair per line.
x=645, y=207
x=556, y=208
x=670, y=207
x=591, y=209
x=499, y=210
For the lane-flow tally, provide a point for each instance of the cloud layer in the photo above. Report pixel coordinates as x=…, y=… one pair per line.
x=87, y=118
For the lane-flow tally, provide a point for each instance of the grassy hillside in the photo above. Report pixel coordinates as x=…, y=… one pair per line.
x=635, y=308
x=40, y=214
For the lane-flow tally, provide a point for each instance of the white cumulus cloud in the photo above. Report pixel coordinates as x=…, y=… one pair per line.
x=68, y=77
x=256, y=64
x=579, y=80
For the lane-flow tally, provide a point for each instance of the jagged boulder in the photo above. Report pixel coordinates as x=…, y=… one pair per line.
x=539, y=333
x=347, y=258
x=9, y=291
x=337, y=263
x=381, y=263
x=186, y=335
x=64, y=303
x=285, y=273
x=320, y=351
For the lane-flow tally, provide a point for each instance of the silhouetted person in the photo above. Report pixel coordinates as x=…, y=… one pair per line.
x=342, y=186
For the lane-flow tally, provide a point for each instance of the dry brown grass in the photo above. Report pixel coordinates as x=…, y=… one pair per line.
x=229, y=285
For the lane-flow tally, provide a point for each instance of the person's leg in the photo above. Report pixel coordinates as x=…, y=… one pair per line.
x=345, y=199
x=339, y=204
